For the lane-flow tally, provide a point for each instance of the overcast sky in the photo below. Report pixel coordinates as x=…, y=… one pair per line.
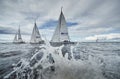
x=86, y=19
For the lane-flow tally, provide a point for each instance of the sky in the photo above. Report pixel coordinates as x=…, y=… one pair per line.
x=86, y=20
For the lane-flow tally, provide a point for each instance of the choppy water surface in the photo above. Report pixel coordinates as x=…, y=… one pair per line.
x=82, y=61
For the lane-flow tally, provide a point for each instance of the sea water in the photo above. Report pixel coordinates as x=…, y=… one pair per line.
x=81, y=61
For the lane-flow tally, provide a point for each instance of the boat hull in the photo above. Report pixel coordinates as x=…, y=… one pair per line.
x=40, y=42
x=18, y=42
x=56, y=44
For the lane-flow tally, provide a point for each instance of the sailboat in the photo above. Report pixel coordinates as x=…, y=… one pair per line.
x=97, y=40
x=18, y=37
x=36, y=37
x=61, y=35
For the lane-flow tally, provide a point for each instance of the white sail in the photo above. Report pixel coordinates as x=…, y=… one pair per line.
x=15, y=38
x=35, y=38
x=18, y=38
x=61, y=32
x=56, y=35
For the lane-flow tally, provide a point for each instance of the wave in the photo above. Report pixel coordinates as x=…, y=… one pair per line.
x=67, y=62
x=56, y=63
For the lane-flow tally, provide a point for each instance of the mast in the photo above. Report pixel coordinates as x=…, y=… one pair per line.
x=60, y=24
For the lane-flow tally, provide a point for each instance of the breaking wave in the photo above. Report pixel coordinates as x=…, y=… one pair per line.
x=65, y=62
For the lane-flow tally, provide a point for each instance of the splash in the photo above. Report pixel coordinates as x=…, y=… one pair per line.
x=65, y=62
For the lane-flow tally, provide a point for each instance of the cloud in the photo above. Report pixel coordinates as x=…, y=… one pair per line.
x=111, y=36
x=49, y=24
x=85, y=18
x=6, y=30
x=53, y=23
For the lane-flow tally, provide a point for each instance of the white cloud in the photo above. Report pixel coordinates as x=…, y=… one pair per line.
x=104, y=36
x=94, y=17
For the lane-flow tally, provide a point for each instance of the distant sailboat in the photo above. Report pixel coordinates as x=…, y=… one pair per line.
x=101, y=39
x=61, y=35
x=18, y=38
x=97, y=40
x=36, y=37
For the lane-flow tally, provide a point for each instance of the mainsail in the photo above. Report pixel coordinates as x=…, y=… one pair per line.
x=61, y=31
x=36, y=37
x=15, y=38
x=18, y=38
x=19, y=35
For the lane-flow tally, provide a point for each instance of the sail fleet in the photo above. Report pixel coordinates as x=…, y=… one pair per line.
x=59, y=37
